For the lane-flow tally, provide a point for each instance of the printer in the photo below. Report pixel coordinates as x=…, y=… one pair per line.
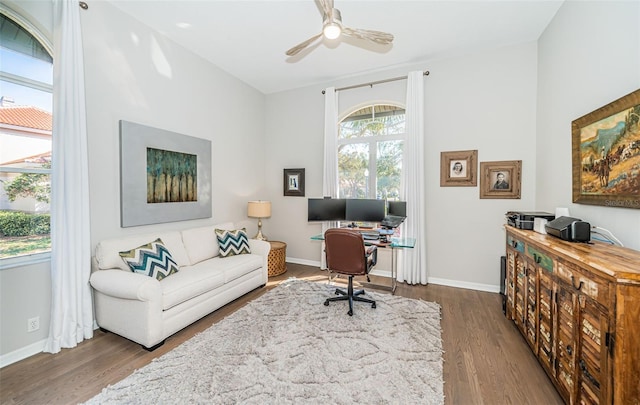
x=569, y=229
x=525, y=219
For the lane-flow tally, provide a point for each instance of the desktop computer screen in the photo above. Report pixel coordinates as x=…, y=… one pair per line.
x=326, y=209
x=365, y=210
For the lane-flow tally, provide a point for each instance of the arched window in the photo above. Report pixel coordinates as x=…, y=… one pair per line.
x=370, y=144
x=26, y=78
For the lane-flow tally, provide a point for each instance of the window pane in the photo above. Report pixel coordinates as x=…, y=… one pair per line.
x=388, y=169
x=353, y=162
x=25, y=142
x=24, y=213
x=23, y=95
x=16, y=38
x=394, y=124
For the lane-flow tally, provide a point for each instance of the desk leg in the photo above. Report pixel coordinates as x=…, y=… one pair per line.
x=394, y=271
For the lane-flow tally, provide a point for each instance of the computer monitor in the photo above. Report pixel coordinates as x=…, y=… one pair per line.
x=326, y=209
x=397, y=208
x=365, y=210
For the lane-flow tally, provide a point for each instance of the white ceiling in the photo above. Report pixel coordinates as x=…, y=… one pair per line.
x=248, y=39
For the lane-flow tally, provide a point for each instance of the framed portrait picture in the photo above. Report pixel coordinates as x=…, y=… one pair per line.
x=294, y=182
x=459, y=168
x=606, y=154
x=500, y=179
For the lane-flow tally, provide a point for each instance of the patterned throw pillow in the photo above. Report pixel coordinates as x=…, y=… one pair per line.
x=233, y=242
x=152, y=259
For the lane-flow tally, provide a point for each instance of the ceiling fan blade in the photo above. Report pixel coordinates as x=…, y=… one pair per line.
x=379, y=37
x=326, y=5
x=293, y=51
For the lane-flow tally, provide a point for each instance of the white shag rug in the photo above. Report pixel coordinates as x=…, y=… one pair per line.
x=286, y=347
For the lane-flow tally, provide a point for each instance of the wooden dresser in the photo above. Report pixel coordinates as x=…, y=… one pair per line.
x=578, y=307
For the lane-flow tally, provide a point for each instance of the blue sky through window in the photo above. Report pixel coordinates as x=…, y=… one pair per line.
x=31, y=68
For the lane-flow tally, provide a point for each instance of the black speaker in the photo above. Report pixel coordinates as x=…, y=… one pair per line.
x=503, y=280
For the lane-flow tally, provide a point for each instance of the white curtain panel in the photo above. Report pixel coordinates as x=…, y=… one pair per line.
x=71, y=306
x=330, y=176
x=412, y=263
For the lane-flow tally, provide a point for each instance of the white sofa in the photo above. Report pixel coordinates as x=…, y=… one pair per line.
x=148, y=311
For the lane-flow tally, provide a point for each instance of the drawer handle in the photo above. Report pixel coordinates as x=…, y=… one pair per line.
x=569, y=350
x=587, y=374
x=537, y=258
x=573, y=283
x=514, y=243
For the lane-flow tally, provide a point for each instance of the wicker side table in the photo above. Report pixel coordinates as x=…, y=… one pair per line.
x=276, y=261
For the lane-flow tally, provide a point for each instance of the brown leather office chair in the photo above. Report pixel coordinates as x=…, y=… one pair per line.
x=347, y=254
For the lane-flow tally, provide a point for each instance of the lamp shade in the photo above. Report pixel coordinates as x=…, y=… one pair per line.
x=259, y=209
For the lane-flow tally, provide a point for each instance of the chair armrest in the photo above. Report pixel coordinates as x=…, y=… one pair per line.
x=371, y=254
x=121, y=284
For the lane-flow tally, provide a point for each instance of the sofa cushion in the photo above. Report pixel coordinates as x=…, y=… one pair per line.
x=190, y=282
x=233, y=242
x=202, y=243
x=108, y=251
x=239, y=265
x=151, y=259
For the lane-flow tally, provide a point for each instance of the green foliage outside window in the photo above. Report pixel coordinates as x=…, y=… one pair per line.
x=16, y=223
x=35, y=185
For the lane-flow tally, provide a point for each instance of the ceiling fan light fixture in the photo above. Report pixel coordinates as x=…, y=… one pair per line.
x=332, y=30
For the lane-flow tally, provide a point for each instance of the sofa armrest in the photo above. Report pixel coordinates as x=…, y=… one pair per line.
x=121, y=284
x=259, y=247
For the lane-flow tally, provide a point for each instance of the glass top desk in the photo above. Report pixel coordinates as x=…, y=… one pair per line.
x=394, y=244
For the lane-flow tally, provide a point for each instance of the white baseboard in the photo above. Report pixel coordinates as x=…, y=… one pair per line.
x=465, y=284
x=305, y=262
x=22, y=353
x=27, y=351
x=438, y=281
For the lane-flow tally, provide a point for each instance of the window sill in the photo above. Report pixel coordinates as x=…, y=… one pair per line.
x=25, y=260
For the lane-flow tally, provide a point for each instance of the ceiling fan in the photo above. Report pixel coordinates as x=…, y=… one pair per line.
x=332, y=28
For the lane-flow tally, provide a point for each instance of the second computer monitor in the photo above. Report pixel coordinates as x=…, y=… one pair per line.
x=398, y=208
x=365, y=210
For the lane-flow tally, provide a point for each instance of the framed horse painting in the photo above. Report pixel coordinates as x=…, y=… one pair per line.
x=606, y=154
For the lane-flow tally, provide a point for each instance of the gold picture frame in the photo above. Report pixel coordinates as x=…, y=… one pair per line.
x=605, y=149
x=500, y=179
x=459, y=168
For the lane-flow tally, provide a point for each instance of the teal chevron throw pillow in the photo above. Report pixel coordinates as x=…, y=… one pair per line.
x=233, y=242
x=152, y=259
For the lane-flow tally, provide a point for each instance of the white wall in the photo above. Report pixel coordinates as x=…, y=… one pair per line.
x=135, y=74
x=485, y=101
x=588, y=57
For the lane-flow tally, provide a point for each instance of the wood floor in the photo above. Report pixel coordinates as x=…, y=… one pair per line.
x=486, y=361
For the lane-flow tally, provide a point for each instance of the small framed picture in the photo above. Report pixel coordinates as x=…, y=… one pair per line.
x=458, y=169
x=500, y=179
x=294, y=182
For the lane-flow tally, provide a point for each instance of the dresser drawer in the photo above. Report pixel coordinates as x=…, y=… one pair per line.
x=515, y=243
x=540, y=258
x=590, y=285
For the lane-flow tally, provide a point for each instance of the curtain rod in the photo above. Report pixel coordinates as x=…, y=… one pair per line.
x=355, y=86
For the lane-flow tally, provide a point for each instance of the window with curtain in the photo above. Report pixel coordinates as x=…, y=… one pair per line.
x=26, y=77
x=370, y=145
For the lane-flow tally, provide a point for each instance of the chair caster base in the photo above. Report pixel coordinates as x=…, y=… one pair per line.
x=350, y=313
x=373, y=305
x=326, y=303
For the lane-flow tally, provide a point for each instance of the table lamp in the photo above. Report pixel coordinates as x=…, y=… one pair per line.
x=259, y=209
